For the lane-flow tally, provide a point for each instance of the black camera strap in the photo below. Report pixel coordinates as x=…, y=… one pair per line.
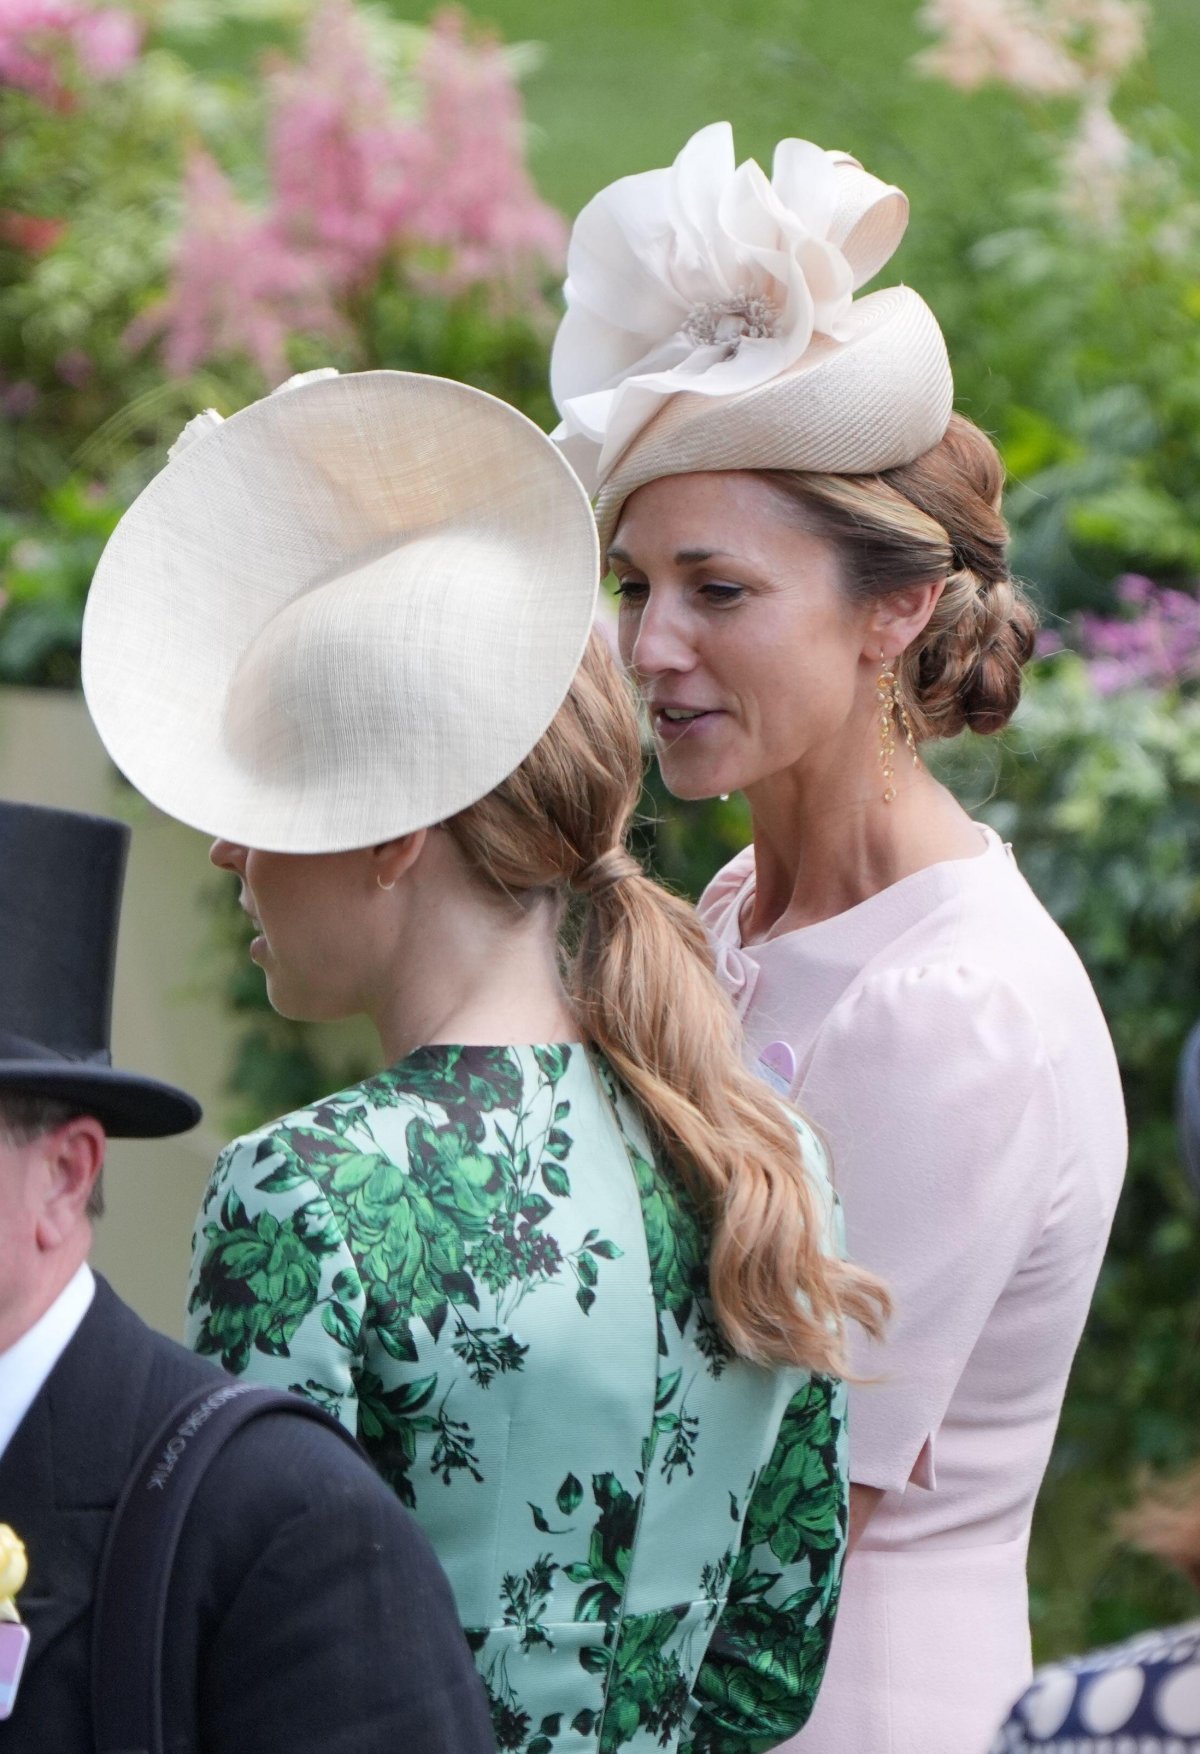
x=130, y=1613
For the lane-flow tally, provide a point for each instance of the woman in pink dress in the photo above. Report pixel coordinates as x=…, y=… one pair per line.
x=812, y=567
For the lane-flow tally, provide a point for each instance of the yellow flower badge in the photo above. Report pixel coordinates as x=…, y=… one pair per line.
x=14, y=1569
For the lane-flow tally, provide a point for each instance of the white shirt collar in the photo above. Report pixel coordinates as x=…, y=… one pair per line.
x=27, y=1363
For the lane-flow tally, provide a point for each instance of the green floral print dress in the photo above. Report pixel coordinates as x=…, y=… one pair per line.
x=477, y=1261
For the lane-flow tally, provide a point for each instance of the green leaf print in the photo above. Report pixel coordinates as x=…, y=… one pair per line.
x=610, y=1548
x=665, y=1393
x=476, y=1078
x=744, y=1696
x=487, y=1352
x=341, y=1324
x=798, y=1502
x=454, y=1450
x=647, y=1686
x=388, y=1423
x=552, y=1062
x=283, y=1179
x=556, y=1179
x=570, y=1495
x=540, y=1522
x=526, y=1598
x=466, y=1186
x=258, y=1280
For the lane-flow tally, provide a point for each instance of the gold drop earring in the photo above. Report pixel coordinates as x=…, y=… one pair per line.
x=891, y=707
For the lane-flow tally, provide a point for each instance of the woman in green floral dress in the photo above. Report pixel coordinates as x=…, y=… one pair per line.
x=565, y=1267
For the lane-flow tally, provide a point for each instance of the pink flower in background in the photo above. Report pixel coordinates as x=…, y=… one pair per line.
x=1051, y=48
x=42, y=41
x=1107, y=36
x=1048, y=48
x=476, y=198
x=1096, y=166
x=340, y=160
x=1004, y=42
x=1158, y=645
x=238, y=284
x=356, y=183
x=353, y=180
x=32, y=35
x=107, y=42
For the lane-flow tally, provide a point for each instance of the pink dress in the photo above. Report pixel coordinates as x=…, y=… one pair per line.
x=948, y=1042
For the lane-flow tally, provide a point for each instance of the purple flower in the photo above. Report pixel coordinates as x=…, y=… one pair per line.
x=1158, y=645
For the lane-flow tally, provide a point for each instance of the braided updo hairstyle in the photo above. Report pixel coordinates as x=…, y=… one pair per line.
x=936, y=517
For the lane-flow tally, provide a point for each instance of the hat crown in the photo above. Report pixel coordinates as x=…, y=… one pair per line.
x=61, y=877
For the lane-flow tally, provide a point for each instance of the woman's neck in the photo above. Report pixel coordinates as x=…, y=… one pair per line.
x=469, y=970
x=822, y=849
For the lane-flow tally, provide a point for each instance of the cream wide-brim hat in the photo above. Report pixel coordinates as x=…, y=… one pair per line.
x=880, y=396
x=345, y=613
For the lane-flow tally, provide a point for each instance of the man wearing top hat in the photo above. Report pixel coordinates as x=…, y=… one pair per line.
x=305, y=1610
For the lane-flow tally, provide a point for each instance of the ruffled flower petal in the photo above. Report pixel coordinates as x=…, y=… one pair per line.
x=710, y=278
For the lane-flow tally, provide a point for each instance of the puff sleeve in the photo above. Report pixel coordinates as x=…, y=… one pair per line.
x=938, y=1097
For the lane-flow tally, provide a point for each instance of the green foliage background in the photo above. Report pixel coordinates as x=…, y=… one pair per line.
x=1080, y=352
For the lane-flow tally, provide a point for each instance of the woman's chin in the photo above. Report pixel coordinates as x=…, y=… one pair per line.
x=298, y=1007
x=692, y=783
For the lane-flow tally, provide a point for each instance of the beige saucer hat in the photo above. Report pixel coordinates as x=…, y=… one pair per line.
x=344, y=613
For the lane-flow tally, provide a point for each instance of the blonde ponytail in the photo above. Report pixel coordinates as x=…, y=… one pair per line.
x=642, y=983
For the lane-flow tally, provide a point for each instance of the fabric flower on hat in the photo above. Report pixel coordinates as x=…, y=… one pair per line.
x=196, y=428
x=707, y=277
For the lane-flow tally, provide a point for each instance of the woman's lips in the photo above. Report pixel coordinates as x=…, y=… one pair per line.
x=670, y=730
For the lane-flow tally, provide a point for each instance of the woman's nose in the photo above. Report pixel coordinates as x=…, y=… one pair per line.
x=226, y=855
x=657, y=643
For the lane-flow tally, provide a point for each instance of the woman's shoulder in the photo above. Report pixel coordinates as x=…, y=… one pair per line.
x=948, y=1023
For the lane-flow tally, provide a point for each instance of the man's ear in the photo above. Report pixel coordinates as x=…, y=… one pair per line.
x=392, y=858
x=899, y=618
x=72, y=1158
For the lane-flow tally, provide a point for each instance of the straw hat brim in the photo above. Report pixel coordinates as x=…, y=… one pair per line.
x=346, y=613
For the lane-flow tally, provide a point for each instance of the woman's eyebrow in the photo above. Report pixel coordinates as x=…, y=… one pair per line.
x=684, y=557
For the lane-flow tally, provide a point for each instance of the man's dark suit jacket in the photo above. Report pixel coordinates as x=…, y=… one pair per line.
x=307, y=1611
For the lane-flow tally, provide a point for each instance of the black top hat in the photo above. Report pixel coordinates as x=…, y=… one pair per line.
x=61, y=876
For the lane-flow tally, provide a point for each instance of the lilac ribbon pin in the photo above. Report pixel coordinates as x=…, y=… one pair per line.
x=14, y=1643
x=777, y=1065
